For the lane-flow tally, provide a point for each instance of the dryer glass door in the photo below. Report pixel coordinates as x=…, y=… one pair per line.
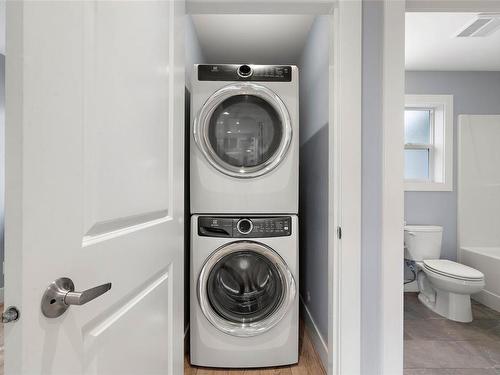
x=245, y=288
x=244, y=130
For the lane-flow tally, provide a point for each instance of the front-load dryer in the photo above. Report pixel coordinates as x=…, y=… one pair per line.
x=244, y=299
x=244, y=139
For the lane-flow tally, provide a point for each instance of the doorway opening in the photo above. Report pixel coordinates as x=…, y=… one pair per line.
x=452, y=121
x=304, y=41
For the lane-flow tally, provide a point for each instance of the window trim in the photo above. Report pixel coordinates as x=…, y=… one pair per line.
x=441, y=142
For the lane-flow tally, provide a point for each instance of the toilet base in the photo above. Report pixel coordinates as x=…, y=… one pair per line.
x=450, y=305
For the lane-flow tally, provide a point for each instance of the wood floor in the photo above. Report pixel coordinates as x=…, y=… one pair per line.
x=309, y=363
x=433, y=345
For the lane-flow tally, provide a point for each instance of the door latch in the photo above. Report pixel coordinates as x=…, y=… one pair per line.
x=11, y=314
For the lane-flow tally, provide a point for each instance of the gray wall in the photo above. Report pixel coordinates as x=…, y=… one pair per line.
x=313, y=210
x=473, y=93
x=193, y=55
x=2, y=162
x=371, y=199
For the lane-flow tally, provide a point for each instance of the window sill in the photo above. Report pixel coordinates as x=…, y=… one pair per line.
x=427, y=186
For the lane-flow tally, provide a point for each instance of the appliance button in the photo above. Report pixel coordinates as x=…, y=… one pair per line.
x=244, y=71
x=244, y=226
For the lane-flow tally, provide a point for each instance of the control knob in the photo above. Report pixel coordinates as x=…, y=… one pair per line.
x=244, y=226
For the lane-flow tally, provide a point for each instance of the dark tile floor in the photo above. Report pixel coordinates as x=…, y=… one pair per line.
x=437, y=346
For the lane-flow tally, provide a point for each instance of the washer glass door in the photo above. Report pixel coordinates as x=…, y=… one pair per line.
x=245, y=288
x=243, y=130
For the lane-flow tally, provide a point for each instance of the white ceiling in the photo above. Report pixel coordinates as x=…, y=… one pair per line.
x=431, y=44
x=257, y=39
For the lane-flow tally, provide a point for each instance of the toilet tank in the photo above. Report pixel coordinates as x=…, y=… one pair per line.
x=423, y=242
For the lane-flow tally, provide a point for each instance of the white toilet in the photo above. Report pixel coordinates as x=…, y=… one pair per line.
x=445, y=286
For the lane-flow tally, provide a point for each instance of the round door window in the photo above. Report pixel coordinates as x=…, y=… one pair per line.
x=245, y=288
x=243, y=130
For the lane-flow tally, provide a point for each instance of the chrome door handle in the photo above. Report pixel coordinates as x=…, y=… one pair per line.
x=60, y=295
x=81, y=298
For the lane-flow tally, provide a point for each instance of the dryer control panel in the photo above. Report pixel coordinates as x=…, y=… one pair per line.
x=244, y=227
x=234, y=72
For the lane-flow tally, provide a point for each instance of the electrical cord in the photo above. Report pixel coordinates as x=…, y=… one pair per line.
x=411, y=265
x=414, y=277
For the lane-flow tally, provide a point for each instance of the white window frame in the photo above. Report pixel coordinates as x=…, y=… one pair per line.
x=441, y=142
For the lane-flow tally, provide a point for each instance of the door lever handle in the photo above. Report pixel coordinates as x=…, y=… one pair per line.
x=81, y=298
x=60, y=295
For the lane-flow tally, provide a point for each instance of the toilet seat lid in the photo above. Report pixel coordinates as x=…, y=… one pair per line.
x=453, y=269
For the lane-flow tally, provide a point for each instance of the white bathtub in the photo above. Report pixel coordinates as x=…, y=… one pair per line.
x=486, y=260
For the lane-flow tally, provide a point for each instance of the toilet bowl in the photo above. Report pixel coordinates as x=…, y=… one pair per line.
x=444, y=286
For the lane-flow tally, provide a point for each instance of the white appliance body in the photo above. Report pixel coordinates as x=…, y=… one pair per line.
x=217, y=339
x=244, y=148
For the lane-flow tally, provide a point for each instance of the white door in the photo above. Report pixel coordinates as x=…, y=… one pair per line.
x=95, y=185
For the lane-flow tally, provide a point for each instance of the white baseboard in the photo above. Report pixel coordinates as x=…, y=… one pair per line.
x=488, y=299
x=318, y=341
x=1, y=295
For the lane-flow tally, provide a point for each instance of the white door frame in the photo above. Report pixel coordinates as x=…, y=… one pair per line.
x=344, y=266
x=391, y=267
x=344, y=284
x=391, y=287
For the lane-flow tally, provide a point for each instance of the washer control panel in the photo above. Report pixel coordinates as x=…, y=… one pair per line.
x=235, y=72
x=244, y=227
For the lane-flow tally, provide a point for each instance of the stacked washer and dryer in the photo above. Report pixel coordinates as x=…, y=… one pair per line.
x=244, y=155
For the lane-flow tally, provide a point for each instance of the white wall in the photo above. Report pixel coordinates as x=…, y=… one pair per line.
x=371, y=221
x=2, y=162
x=313, y=211
x=252, y=38
x=2, y=136
x=479, y=180
x=193, y=51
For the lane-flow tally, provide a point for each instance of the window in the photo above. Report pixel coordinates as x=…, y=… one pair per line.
x=428, y=129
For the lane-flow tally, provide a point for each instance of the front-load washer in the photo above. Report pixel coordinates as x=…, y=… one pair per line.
x=244, y=139
x=244, y=291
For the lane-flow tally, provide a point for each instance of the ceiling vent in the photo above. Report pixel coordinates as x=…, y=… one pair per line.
x=484, y=24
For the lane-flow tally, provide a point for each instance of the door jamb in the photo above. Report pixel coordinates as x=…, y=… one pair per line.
x=344, y=284
x=391, y=272
x=345, y=192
